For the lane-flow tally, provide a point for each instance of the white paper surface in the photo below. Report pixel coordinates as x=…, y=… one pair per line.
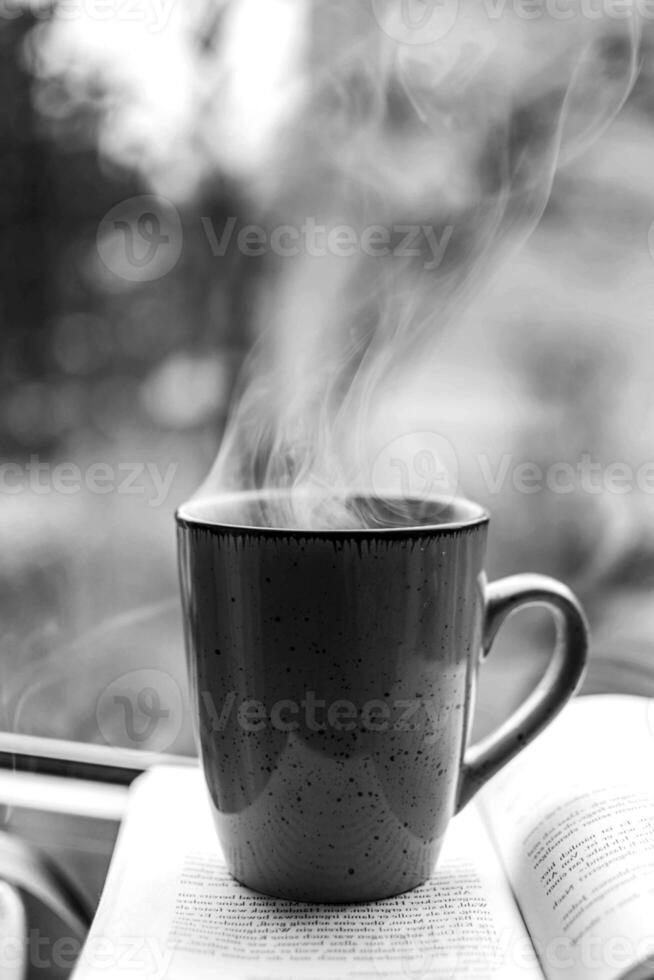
x=573, y=817
x=170, y=910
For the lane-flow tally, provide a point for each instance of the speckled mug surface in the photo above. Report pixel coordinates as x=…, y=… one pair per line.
x=332, y=674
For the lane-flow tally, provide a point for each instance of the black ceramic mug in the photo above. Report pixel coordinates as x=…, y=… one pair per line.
x=332, y=674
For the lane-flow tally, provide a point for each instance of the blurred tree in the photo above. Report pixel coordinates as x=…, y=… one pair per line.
x=24, y=219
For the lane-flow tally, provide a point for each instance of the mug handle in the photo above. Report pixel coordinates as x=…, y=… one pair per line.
x=561, y=680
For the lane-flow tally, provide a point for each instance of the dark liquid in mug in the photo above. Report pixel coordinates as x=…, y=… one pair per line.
x=360, y=512
x=331, y=673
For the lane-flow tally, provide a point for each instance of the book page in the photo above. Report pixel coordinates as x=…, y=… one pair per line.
x=573, y=818
x=171, y=910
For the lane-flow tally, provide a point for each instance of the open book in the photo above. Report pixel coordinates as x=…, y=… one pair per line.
x=548, y=873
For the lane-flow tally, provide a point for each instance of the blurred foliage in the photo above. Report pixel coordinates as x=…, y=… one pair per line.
x=94, y=370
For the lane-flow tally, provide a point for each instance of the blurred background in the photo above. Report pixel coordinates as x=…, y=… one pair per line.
x=118, y=367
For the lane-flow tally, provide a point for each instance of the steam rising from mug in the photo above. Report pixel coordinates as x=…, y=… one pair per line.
x=394, y=151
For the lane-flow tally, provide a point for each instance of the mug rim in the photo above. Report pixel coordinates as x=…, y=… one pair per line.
x=476, y=517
